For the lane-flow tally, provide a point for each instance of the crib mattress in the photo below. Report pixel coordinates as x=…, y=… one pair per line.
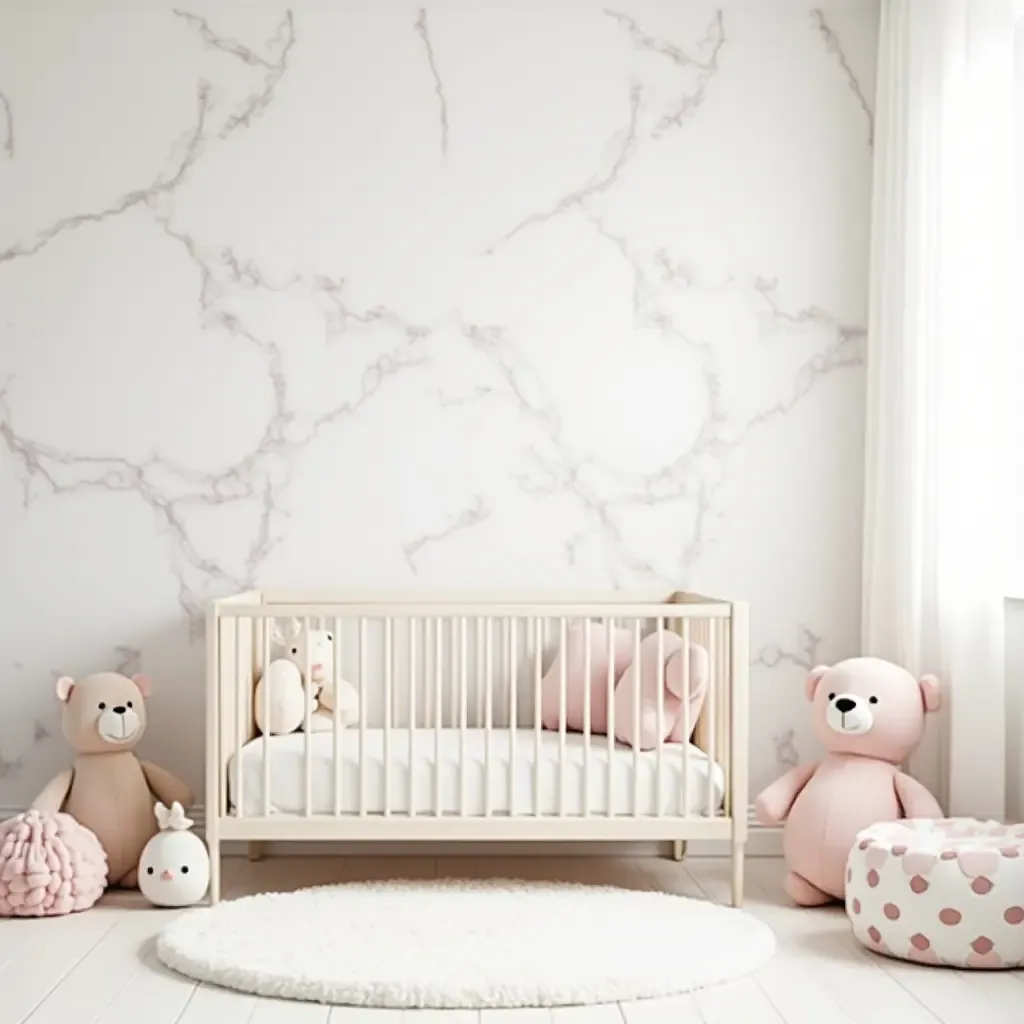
x=512, y=787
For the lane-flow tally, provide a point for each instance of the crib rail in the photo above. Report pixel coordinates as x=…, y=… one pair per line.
x=468, y=727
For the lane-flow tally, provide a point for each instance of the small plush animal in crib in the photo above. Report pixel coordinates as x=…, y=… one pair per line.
x=289, y=691
x=174, y=869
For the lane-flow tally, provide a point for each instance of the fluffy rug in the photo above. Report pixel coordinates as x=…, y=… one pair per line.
x=465, y=944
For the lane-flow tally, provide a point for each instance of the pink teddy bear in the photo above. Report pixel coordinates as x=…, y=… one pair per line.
x=870, y=716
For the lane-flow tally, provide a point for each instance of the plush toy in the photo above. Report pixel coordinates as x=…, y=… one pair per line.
x=319, y=644
x=174, y=869
x=288, y=694
x=280, y=699
x=577, y=682
x=870, y=716
x=625, y=677
x=109, y=790
x=643, y=732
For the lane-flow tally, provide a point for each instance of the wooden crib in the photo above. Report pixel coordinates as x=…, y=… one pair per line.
x=450, y=744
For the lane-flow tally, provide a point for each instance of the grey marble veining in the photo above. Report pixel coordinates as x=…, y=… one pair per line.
x=420, y=297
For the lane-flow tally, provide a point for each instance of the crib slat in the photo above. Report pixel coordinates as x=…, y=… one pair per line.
x=307, y=719
x=266, y=719
x=660, y=684
x=463, y=702
x=389, y=653
x=362, y=716
x=488, y=712
x=709, y=702
x=685, y=713
x=562, y=686
x=438, y=669
x=610, y=650
x=538, y=656
x=453, y=710
x=512, y=716
x=637, y=687
x=242, y=713
x=479, y=719
x=586, y=717
x=336, y=717
x=410, y=768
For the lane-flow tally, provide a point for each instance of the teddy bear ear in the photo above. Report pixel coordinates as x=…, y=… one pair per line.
x=812, y=680
x=144, y=683
x=64, y=687
x=931, y=692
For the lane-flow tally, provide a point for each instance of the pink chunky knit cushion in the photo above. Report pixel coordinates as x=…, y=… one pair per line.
x=49, y=865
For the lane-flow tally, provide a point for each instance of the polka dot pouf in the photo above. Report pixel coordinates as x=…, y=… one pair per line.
x=946, y=892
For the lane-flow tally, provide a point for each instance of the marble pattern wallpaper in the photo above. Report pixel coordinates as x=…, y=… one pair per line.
x=483, y=296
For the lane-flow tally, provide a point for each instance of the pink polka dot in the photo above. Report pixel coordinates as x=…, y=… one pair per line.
x=950, y=916
x=990, y=960
x=891, y=911
x=898, y=851
x=874, y=934
x=849, y=875
x=948, y=855
x=918, y=885
x=982, y=945
x=1010, y=852
x=982, y=886
x=872, y=878
x=919, y=941
x=923, y=956
x=856, y=905
x=1014, y=915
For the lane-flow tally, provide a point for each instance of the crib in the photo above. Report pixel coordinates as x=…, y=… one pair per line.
x=450, y=744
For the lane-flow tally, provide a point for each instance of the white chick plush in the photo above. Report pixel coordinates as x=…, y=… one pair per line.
x=315, y=648
x=174, y=869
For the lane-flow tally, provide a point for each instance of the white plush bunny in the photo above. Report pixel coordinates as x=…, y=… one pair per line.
x=174, y=869
x=315, y=647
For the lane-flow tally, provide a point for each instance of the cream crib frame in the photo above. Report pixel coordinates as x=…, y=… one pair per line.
x=237, y=642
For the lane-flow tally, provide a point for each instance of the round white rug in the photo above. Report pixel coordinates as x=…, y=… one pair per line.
x=465, y=944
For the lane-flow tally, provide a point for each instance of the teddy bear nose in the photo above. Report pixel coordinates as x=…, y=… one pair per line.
x=119, y=710
x=845, y=704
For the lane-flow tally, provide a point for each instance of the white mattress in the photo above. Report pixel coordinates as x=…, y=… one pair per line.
x=288, y=774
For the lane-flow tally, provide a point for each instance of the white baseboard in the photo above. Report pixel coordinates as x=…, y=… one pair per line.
x=761, y=842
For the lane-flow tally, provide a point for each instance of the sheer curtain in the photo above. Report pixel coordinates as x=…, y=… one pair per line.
x=937, y=484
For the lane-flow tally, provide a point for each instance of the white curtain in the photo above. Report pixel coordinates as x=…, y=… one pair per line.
x=939, y=358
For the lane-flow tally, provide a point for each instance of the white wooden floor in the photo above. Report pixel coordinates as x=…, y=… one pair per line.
x=99, y=967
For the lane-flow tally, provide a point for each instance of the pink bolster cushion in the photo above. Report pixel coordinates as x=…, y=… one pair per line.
x=644, y=734
x=577, y=683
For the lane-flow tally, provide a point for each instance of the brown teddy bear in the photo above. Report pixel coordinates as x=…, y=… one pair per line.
x=109, y=790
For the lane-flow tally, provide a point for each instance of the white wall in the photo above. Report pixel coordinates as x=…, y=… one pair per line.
x=501, y=295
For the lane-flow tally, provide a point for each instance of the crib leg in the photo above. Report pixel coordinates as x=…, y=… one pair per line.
x=737, y=874
x=213, y=845
x=678, y=849
x=257, y=850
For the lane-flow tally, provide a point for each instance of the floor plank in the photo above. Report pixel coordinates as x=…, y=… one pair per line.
x=363, y=1015
x=286, y=1011
x=676, y=1010
x=599, y=1013
x=52, y=950
x=519, y=1016
x=738, y=1002
x=100, y=967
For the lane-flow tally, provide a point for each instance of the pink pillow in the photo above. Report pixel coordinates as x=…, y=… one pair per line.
x=49, y=865
x=576, y=684
x=645, y=734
